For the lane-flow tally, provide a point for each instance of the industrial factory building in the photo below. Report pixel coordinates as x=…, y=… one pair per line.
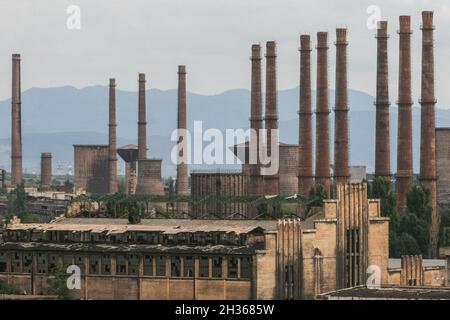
x=215, y=259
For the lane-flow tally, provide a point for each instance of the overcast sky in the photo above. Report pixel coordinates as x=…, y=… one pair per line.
x=212, y=38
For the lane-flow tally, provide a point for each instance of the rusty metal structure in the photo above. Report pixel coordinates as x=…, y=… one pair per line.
x=255, y=187
x=91, y=165
x=182, y=186
x=46, y=171
x=216, y=185
x=322, y=175
x=16, y=126
x=112, y=161
x=428, y=125
x=271, y=113
x=129, y=154
x=341, y=136
x=404, y=145
x=305, y=165
x=142, y=119
x=149, y=178
x=382, y=144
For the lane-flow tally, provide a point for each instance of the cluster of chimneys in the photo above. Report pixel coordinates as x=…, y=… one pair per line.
x=322, y=175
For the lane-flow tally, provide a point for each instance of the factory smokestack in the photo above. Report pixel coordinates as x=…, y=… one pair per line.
x=46, y=171
x=16, y=127
x=142, y=120
x=382, y=144
x=404, y=145
x=305, y=175
x=322, y=112
x=428, y=125
x=112, y=158
x=271, y=114
x=256, y=120
x=182, y=169
x=341, y=140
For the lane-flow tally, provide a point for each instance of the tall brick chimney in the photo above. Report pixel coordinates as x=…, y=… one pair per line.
x=142, y=120
x=341, y=139
x=404, y=145
x=305, y=174
x=322, y=112
x=428, y=124
x=182, y=169
x=46, y=171
x=112, y=158
x=271, y=114
x=256, y=120
x=16, y=127
x=382, y=144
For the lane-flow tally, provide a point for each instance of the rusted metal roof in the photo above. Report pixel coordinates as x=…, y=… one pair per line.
x=123, y=228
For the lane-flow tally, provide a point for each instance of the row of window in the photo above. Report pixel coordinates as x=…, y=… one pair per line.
x=194, y=238
x=236, y=267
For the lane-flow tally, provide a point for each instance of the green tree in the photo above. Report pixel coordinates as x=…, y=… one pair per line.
x=316, y=196
x=17, y=202
x=57, y=283
x=444, y=232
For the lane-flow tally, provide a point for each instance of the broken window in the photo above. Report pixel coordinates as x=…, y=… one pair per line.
x=52, y=262
x=246, y=267
x=217, y=267
x=175, y=266
x=121, y=264
x=232, y=267
x=3, y=262
x=79, y=261
x=133, y=264
x=27, y=263
x=16, y=262
x=204, y=267
x=148, y=265
x=161, y=266
x=189, y=266
x=106, y=264
x=42, y=263
x=94, y=264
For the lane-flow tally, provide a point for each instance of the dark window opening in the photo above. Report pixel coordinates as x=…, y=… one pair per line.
x=189, y=266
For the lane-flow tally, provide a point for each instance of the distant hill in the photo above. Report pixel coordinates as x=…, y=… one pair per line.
x=56, y=118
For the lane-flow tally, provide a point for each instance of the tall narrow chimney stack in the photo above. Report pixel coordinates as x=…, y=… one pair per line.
x=112, y=159
x=322, y=113
x=46, y=171
x=305, y=175
x=16, y=127
x=256, y=120
x=382, y=144
x=271, y=114
x=428, y=125
x=142, y=120
x=404, y=145
x=182, y=169
x=341, y=139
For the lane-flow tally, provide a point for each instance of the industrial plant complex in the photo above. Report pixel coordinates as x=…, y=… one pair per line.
x=313, y=229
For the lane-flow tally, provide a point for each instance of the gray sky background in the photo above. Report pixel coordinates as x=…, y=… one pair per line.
x=120, y=38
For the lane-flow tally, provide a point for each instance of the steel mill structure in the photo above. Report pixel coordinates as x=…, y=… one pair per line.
x=96, y=165
x=341, y=139
x=16, y=126
x=112, y=161
x=404, y=145
x=382, y=144
x=271, y=115
x=46, y=172
x=428, y=124
x=322, y=176
x=305, y=164
x=182, y=183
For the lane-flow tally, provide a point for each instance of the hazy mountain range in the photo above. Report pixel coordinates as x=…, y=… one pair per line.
x=53, y=119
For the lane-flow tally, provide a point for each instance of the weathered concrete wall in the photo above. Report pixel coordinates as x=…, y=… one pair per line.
x=149, y=178
x=91, y=165
x=443, y=165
